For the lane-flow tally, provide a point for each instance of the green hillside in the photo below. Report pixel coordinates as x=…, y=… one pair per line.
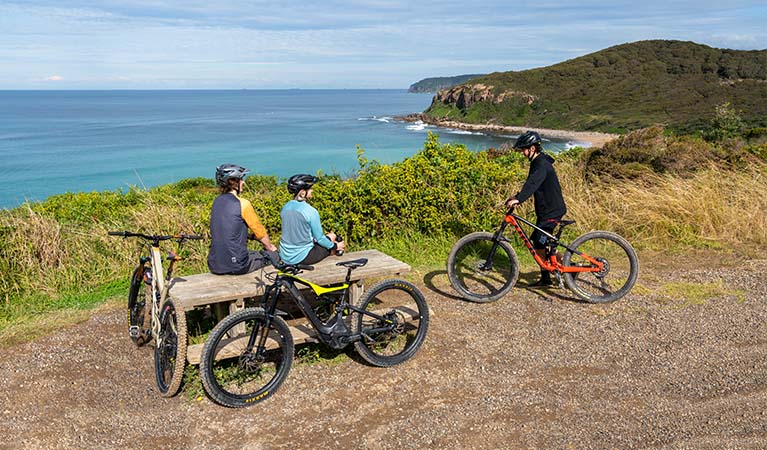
x=434, y=84
x=626, y=87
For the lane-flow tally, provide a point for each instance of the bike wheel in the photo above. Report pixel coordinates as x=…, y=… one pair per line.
x=477, y=275
x=170, y=350
x=236, y=377
x=399, y=327
x=621, y=267
x=137, y=306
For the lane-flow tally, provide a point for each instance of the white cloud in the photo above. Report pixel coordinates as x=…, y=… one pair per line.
x=54, y=78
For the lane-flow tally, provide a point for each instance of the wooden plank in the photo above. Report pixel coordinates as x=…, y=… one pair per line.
x=301, y=330
x=207, y=288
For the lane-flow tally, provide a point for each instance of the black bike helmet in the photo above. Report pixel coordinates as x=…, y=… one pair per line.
x=527, y=139
x=301, y=181
x=224, y=172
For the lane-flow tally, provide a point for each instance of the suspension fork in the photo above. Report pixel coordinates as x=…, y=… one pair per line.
x=271, y=295
x=488, y=264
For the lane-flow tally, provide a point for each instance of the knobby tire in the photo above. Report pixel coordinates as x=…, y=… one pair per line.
x=170, y=350
x=468, y=273
x=240, y=379
x=137, y=307
x=402, y=305
x=617, y=281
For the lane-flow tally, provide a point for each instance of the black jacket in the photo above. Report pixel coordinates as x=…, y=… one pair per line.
x=542, y=183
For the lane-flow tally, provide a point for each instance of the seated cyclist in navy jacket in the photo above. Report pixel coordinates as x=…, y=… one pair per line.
x=303, y=241
x=543, y=185
x=230, y=219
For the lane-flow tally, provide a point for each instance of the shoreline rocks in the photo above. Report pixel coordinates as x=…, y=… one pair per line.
x=595, y=138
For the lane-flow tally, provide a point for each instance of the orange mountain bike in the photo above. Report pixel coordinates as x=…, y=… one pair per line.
x=599, y=266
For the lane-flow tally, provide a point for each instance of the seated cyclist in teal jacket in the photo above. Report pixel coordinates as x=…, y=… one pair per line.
x=303, y=241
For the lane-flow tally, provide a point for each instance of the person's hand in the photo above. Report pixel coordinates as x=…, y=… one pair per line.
x=271, y=247
x=511, y=202
x=341, y=246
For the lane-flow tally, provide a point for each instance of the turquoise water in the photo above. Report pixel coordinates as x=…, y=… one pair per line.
x=59, y=141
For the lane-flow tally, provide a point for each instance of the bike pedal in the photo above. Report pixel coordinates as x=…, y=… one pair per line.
x=560, y=281
x=134, y=332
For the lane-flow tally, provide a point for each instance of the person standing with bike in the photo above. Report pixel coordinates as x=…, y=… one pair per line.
x=303, y=241
x=230, y=219
x=543, y=185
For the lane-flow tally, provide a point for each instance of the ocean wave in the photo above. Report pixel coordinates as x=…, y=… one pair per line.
x=573, y=144
x=417, y=126
x=464, y=132
x=384, y=119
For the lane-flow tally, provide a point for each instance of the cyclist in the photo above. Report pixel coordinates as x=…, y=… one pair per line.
x=303, y=241
x=230, y=219
x=543, y=185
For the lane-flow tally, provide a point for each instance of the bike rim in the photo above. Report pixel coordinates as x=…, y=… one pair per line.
x=615, y=277
x=480, y=273
x=246, y=375
x=400, y=327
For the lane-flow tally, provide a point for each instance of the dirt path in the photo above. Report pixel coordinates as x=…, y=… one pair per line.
x=535, y=369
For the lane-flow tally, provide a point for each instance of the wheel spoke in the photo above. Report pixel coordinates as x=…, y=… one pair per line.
x=481, y=270
x=235, y=377
x=400, y=328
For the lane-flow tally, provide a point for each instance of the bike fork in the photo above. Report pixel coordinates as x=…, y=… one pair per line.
x=488, y=265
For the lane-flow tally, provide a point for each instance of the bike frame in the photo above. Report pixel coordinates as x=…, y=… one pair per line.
x=334, y=332
x=160, y=285
x=552, y=264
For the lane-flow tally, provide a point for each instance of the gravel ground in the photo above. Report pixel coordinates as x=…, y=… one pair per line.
x=536, y=369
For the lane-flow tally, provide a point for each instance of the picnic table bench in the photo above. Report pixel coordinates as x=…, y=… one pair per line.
x=228, y=292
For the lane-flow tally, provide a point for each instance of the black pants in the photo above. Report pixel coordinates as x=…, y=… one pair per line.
x=316, y=254
x=257, y=261
x=538, y=239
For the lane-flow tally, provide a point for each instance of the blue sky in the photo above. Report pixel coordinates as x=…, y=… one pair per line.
x=209, y=44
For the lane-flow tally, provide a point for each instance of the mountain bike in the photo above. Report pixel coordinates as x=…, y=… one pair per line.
x=160, y=321
x=598, y=266
x=249, y=354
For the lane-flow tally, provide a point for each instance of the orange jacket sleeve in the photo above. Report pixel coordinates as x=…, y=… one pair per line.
x=252, y=220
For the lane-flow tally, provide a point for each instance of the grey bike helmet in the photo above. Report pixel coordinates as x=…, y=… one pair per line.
x=527, y=139
x=301, y=181
x=226, y=171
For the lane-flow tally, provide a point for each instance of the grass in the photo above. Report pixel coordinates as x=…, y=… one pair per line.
x=57, y=257
x=683, y=294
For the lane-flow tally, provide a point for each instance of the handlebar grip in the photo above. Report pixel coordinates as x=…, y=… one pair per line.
x=193, y=237
x=116, y=233
x=304, y=267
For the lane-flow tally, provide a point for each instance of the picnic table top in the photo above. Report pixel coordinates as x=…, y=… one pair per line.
x=207, y=288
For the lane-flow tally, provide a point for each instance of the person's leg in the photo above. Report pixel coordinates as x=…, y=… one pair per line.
x=316, y=254
x=539, y=240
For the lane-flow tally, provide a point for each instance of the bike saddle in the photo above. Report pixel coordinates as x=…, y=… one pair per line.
x=564, y=223
x=353, y=264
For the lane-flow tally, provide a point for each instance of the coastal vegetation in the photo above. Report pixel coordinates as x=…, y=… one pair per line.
x=435, y=84
x=618, y=89
x=661, y=191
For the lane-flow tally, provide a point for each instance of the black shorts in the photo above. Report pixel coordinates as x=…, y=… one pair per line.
x=316, y=254
x=538, y=239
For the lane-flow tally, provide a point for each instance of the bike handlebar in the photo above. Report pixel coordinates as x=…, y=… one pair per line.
x=179, y=237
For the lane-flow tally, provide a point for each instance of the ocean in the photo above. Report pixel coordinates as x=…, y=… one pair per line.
x=53, y=142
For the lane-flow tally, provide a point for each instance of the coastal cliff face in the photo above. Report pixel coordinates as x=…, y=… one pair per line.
x=619, y=89
x=466, y=95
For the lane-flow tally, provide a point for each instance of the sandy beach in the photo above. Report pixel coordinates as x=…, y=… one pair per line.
x=592, y=137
